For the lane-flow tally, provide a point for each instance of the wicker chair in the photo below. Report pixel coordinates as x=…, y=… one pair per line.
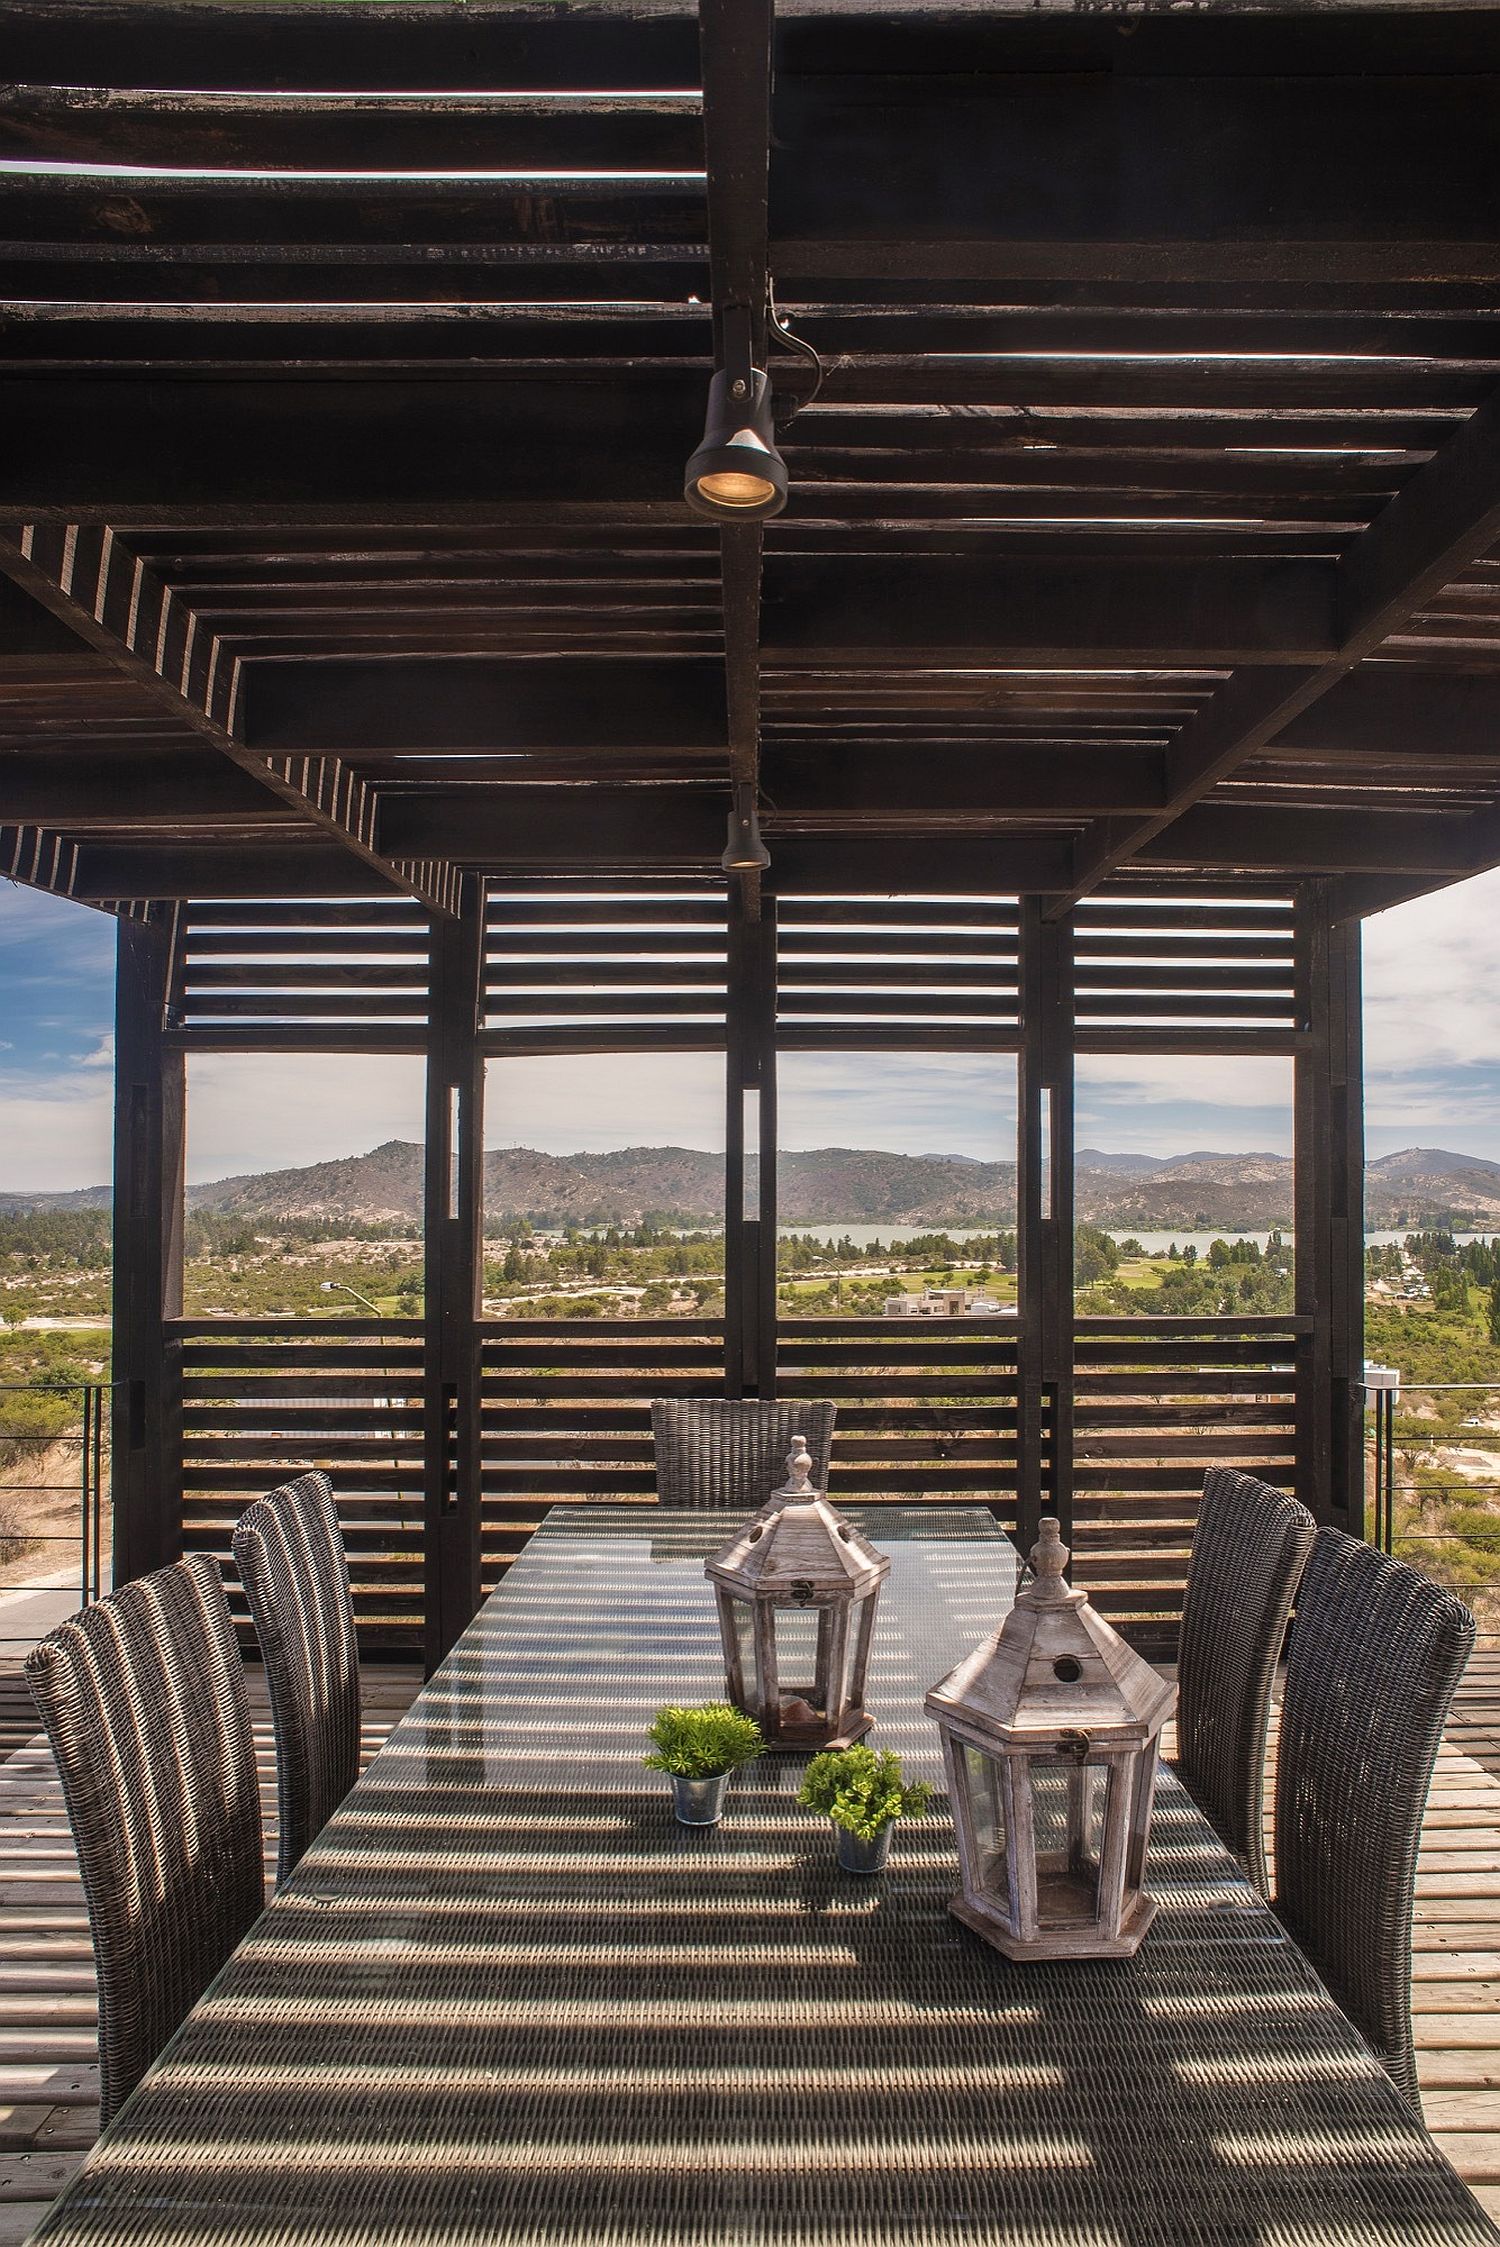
x=290, y=1555
x=143, y=1698
x=1249, y=1550
x=1376, y=1654
x=727, y=1454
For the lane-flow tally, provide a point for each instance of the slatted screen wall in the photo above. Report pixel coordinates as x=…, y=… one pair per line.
x=591, y=967
x=927, y=1409
x=1171, y=969
x=265, y=1399
x=1156, y=1404
x=905, y=972
x=314, y=977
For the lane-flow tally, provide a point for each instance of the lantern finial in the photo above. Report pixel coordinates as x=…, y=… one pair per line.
x=798, y=1470
x=1049, y=1557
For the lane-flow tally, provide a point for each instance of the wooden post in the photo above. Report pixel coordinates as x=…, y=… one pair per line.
x=1045, y=1223
x=750, y=1147
x=453, y=1225
x=1329, y=1147
x=146, y=1451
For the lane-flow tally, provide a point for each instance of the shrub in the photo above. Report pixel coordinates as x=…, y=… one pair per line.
x=702, y=1743
x=861, y=1790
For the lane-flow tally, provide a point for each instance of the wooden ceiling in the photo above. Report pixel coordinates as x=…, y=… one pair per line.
x=1147, y=517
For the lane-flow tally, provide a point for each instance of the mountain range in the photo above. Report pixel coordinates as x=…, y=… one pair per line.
x=1196, y=1192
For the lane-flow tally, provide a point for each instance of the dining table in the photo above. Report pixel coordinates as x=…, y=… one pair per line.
x=506, y=1998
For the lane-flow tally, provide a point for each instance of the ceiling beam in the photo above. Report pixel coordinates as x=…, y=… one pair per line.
x=71, y=789
x=1124, y=173
x=490, y=705
x=1359, y=895
x=119, y=605
x=834, y=792
x=1445, y=515
x=1084, y=613
x=501, y=706
x=180, y=451
x=129, y=871
x=1277, y=839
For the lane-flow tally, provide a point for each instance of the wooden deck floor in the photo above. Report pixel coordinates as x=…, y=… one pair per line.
x=49, y=2079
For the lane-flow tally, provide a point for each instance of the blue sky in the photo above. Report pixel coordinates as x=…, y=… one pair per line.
x=1432, y=988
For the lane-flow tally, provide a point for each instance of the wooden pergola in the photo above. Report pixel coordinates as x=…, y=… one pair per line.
x=1130, y=633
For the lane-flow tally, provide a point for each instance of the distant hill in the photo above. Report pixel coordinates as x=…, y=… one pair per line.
x=1198, y=1192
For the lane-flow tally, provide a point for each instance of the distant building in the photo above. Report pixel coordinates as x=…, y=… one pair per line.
x=945, y=1303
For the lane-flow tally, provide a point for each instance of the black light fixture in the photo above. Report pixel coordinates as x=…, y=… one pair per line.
x=744, y=853
x=737, y=475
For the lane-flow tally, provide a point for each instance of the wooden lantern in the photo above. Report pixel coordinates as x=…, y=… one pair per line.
x=797, y=1589
x=1050, y=1733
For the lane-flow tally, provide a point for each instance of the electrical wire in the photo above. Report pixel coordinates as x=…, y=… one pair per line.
x=780, y=329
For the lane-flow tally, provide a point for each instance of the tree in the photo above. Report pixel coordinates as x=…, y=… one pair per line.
x=1495, y=1312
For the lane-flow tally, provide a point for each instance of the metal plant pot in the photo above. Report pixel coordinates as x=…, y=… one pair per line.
x=699, y=1802
x=858, y=1855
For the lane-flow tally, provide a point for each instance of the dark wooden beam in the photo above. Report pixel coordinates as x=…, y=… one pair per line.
x=1478, y=845
x=150, y=1116
x=387, y=707
x=1121, y=172
x=107, y=872
x=178, y=450
x=40, y=858
x=363, y=48
x=1277, y=839
x=1446, y=515
x=835, y=791
x=453, y=1232
x=1329, y=1148
x=118, y=604
x=1044, y=1213
x=129, y=788
x=1087, y=614
x=1385, y=708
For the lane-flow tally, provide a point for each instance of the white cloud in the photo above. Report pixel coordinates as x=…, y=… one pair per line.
x=1432, y=980
x=276, y=1111
x=55, y=1136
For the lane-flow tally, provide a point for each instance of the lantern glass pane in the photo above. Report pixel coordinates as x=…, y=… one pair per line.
x=861, y=1628
x=801, y=1639
x=1069, y=1804
x=987, y=1824
x=742, y=1619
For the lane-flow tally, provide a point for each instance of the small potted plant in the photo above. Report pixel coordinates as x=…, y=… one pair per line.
x=698, y=1748
x=863, y=1792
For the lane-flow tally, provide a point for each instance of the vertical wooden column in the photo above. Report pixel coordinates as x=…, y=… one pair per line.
x=750, y=1145
x=1044, y=1164
x=150, y=1105
x=453, y=1226
x=1330, y=1247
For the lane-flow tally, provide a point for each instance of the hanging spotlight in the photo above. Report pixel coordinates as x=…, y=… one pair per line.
x=737, y=475
x=744, y=853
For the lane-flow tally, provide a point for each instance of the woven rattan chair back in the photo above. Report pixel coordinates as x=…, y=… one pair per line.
x=727, y=1454
x=290, y=1555
x=143, y=1698
x=1377, y=1651
x=1250, y=1547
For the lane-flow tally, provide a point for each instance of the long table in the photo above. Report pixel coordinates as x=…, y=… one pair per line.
x=506, y=1999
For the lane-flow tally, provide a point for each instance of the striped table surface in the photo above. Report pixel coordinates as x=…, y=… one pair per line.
x=506, y=1999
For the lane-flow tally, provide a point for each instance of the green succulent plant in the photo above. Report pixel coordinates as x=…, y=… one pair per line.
x=702, y=1743
x=862, y=1790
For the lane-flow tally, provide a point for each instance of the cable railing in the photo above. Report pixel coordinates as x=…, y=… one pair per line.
x=54, y=1500
x=1432, y=1509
